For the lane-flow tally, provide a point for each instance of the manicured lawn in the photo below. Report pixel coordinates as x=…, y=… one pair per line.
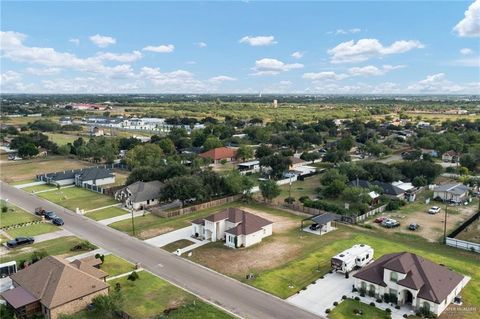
x=74, y=197
x=149, y=296
x=114, y=265
x=24, y=170
x=14, y=216
x=106, y=213
x=345, y=311
x=182, y=243
x=59, y=246
x=33, y=230
x=38, y=188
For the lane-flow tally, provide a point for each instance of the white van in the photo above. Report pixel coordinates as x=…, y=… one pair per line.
x=355, y=257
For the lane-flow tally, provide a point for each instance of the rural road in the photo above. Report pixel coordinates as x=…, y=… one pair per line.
x=240, y=299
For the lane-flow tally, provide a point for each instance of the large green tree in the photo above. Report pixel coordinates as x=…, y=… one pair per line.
x=269, y=189
x=145, y=155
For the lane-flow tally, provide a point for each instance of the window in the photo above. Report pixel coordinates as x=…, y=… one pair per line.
x=364, y=285
x=393, y=292
x=367, y=256
x=393, y=276
x=426, y=306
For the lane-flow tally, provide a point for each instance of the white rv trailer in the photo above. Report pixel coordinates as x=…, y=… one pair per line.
x=357, y=256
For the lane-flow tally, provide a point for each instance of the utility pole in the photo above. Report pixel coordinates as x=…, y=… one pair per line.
x=445, y=221
x=133, y=223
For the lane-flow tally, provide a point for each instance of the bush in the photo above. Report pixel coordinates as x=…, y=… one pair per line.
x=397, y=307
x=344, y=297
x=4, y=209
x=327, y=310
x=303, y=199
x=379, y=300
x=290, y=200
x=395, y=204
x=357, y=298
x=335, y=303
x=388, y=310
x=133, y=276
x=372, y=304
x=84, y=245
x=405, y=316
x=354, y=289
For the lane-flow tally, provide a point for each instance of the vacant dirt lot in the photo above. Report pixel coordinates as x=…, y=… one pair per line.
x=431, y=226
x=270, y=253
x=471, y=233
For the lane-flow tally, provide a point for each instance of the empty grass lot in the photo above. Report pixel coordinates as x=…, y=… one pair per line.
x=15, y=215
x=74, y=197
x=38, y=188
x=32, y=230
x=106, y=213
x=62, y=139
x=182, y=243
x=114, y=265
x=59, y=246
x=345, y=311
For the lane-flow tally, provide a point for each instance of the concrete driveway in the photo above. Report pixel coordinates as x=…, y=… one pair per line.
x=321, y=295
x=165, y=239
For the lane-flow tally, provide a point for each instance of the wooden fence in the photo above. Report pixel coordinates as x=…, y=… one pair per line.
x=194, y=208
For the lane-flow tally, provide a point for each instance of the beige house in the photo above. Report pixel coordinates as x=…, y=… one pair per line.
x=237, y=227
x=53, y=286
x=411, y=280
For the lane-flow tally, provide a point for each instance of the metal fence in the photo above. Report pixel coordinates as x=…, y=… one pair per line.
x=463, y=244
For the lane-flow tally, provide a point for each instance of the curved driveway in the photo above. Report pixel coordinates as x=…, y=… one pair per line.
x=232, y=295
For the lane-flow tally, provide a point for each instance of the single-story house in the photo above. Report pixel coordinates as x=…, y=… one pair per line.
x=219, y=154
x=65, y=120
x=237, y=227
x=249, y=167
x=375, y=197
x=140, y=194
x=388, y=189
x=53, y=286
x=456, y=193
x=411, y=280
x=296, y=162
x=90, y=175
x=451, y=157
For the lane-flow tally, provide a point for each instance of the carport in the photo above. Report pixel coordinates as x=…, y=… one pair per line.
x=324, y=220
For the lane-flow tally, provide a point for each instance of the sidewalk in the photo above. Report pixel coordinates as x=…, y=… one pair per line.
x=115, y=219
x=100, y=208
x=173, y=236
x=100, y=251
x=53, y=235
x=29, y=184
x=125, y=274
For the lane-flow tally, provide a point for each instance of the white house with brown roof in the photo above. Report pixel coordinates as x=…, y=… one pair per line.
x=53, y=286
x=411, y=280
x=237, y=227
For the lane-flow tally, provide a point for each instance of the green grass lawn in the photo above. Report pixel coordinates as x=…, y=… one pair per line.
x=15, y=215
x=306, y=187
x=345, y=311
x=149, y=296
x=59, y=246
x=106, y=213
x=182, y=243
x=38, y=188
x=74, y=197
x=61, y=139
x=114, y=265
x=32, y=230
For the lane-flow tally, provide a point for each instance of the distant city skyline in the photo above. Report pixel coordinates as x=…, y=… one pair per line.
x=340, y=47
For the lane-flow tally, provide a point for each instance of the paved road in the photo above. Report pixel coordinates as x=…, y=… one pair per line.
x=230, y=294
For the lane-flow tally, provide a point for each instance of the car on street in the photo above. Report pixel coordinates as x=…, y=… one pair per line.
x=434, y=210
x=58, y=221
x=390, y=223
x=413, y=226
x=315, y=227
x=50, y=215
x=19, y=241
x=380, y=219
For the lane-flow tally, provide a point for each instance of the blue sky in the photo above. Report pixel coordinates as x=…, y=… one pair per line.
x=338, y=47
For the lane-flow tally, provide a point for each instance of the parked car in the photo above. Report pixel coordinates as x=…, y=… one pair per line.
x=315, y=227
x=434, y=210
x=19, y=241
x=58, y=221
x=40, y=211
x=380, y=219
x=50, y=215
x=390, y=223
x=413, y=226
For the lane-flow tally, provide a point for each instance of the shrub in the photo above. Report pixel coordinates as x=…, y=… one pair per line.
x=133, y=276
x=344, y=297
x=397, y=307
x=395, y=204
x=84, y=245
x=327, y=310
x=405, y=316
x=379, y=300
x=357, y=298
x=290, y=200
x=372, y=304
x=388, y=310
x=4, y=209
x=303, y=199
x=354, y=289
x=335, y=303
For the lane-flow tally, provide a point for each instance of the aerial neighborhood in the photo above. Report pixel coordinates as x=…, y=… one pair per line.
x=240, y=159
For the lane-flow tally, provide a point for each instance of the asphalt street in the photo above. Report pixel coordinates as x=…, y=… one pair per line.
x=230, y=294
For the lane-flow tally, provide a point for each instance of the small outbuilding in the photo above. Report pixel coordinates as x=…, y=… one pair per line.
x=319, y=224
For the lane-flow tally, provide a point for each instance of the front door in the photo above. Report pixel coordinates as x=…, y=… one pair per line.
x=408, y=298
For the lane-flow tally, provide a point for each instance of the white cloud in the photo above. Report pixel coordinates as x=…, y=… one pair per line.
x=42, y=71
x=102, y=41
x=120, y=57
x=221, y=78
x=268, y=66
x=345, y=31
x=466, y=51
x=473, y=61
x=297, y=54
x=371, y=70
x=469, y=26
x=364, y=49
x=11, y=81
x=164, y=48
x=75, y=41
x=439, y=84
x=324, y=76
x=201, y=44
x=258, y=40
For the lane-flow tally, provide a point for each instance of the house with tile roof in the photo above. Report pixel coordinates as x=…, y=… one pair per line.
x=238, y=228
x=220, y=153
x=53, y=286
x=140, y=194
x=411, y=280
x=90, y=175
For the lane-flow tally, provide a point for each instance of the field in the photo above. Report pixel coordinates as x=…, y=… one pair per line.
x=471, y=233
x=114, y=265
x=32, y=230
x=106, y=213
x=298, y=189
x=15, y=215
x=59, y=246
x=74, y=197
x=345, y=311
x=182, y=243
x=16, y=171
x=38, y=188
x=62, y=139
